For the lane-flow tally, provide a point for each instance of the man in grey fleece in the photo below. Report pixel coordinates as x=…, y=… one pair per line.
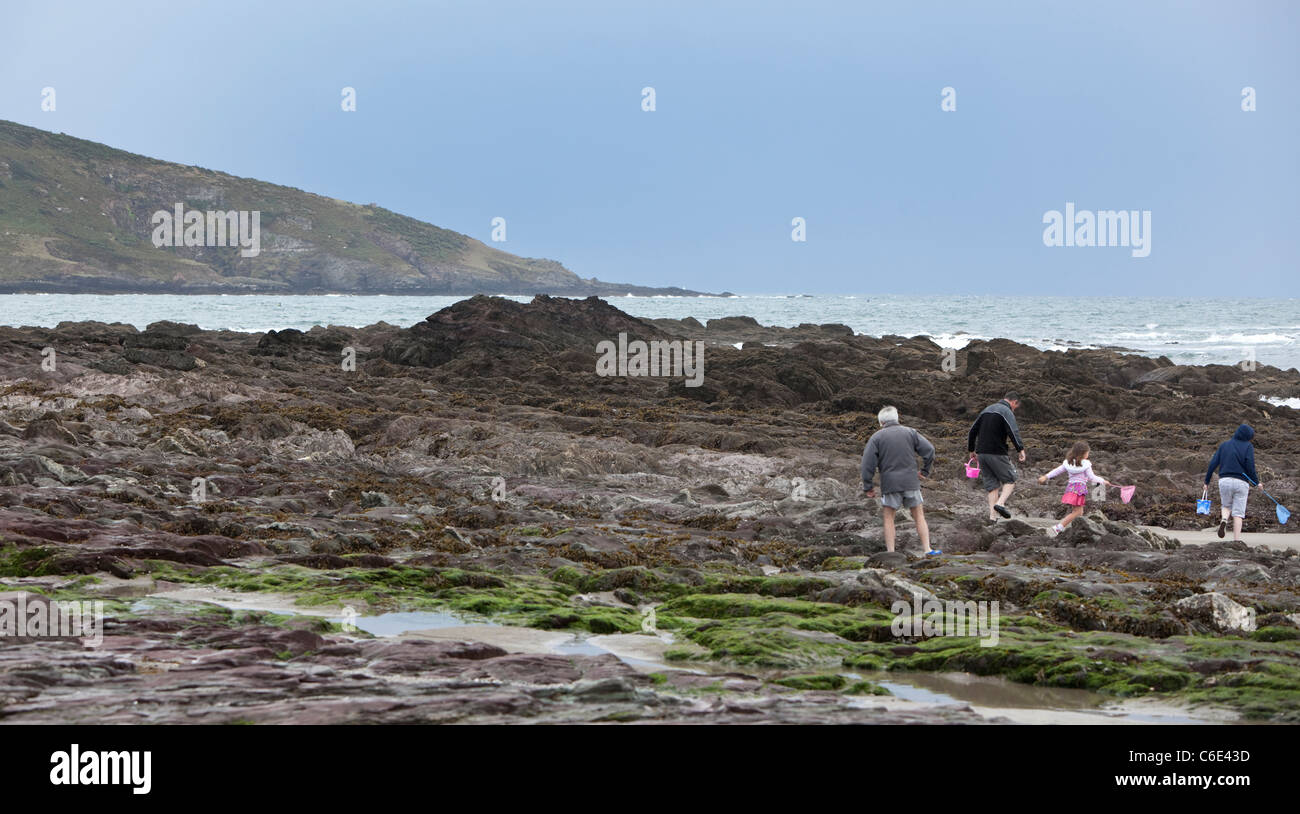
x=893, y=450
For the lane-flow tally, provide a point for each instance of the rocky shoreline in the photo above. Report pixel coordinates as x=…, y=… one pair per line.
x=475, y=464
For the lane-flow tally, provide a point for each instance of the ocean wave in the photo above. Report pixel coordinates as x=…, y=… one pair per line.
x=1293, y=403
x=1250, y=339
x=1128, y=336
x=954, y=341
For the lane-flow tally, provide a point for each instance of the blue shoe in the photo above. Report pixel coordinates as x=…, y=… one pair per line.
x=934, y=552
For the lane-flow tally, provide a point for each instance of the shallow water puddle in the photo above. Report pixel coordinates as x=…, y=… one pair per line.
x=637, y=651
x=990, y=695
x=994, y=694
x=987, y=691
x=395, y=624
x=997, y=695
x=643, y=653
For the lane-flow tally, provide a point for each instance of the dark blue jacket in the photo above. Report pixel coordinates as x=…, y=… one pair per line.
x=1235, y=458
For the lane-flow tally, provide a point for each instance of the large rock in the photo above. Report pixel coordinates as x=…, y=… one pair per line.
x=492, y=327
x=1218, y=610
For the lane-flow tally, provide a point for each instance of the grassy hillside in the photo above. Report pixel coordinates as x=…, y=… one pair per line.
x=75, y=216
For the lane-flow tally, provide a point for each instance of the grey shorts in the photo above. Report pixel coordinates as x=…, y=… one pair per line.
x=1232, y=495
x=896, y=500
x=996, y=471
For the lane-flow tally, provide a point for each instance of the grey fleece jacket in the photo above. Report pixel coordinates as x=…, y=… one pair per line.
x=893, y=450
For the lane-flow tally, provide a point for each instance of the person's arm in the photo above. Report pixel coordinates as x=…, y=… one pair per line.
x=1013, y=429
x=925, y=449
x=974, y=432
x=1060, y=470
x=1093, y=477
x=1214, y=464
x=1250, y=464
x=870, y=460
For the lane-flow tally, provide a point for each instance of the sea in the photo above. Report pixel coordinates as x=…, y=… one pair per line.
x=1187, y=331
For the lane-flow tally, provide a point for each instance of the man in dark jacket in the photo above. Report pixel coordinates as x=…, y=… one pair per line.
x=988, y=440
x=1235, y=462
x=893, y=450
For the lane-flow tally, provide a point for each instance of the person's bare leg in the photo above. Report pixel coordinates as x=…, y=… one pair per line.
x=1236, y=529
x=889, y=528
x=1074, y=514
x=993, y=498
x=922, y=528
x=1007, y=489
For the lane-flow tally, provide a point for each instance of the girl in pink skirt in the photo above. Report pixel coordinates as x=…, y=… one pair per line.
x=1079, y=469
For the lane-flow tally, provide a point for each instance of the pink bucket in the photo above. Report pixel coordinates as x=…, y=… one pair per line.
x=972, y=468
x=1126, y=493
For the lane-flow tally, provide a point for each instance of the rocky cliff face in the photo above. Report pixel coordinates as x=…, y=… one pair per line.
x=76, y=216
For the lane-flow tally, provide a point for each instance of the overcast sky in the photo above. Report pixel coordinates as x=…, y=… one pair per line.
x=765, y=112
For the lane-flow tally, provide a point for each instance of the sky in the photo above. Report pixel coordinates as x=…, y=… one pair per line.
x=764, y=112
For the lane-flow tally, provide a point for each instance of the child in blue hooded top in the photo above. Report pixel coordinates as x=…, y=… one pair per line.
x=1235, y=462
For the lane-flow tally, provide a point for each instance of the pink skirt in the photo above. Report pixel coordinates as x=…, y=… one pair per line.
x=1076, y=494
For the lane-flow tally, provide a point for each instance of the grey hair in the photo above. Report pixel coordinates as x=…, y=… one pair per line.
x=887, y=413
